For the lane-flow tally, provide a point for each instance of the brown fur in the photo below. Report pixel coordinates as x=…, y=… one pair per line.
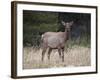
x=56, y=40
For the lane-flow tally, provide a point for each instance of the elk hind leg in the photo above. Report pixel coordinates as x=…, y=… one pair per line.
x=49, y=52
x=43, y=53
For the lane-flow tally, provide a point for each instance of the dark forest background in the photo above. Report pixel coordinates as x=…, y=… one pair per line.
x=35, y=23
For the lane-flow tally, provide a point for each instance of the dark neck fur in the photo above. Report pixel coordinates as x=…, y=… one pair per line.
x=67, y=34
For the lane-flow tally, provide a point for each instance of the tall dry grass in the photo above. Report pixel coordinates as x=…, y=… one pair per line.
x=74, y=57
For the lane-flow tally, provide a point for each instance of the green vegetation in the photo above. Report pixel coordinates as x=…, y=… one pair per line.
x=84, y=41
x=35, y=23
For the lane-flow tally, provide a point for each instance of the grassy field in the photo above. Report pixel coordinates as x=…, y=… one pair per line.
x=74, y=57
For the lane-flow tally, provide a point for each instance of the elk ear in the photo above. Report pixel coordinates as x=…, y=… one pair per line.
x=71, y=23
x=63, y=23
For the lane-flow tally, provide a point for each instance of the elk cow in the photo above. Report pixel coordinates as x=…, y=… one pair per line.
x=56, y=40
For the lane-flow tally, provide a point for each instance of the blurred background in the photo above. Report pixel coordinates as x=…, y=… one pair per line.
x=35, y=23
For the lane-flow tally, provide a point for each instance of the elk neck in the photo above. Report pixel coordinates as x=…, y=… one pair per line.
x=66, y=34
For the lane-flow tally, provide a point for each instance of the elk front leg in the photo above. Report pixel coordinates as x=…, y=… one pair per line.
x=62, y=54
x=59, y=51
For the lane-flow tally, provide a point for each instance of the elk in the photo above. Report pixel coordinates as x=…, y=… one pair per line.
x=56, y=40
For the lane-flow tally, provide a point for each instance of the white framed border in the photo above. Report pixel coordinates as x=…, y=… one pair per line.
x=39, y=7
